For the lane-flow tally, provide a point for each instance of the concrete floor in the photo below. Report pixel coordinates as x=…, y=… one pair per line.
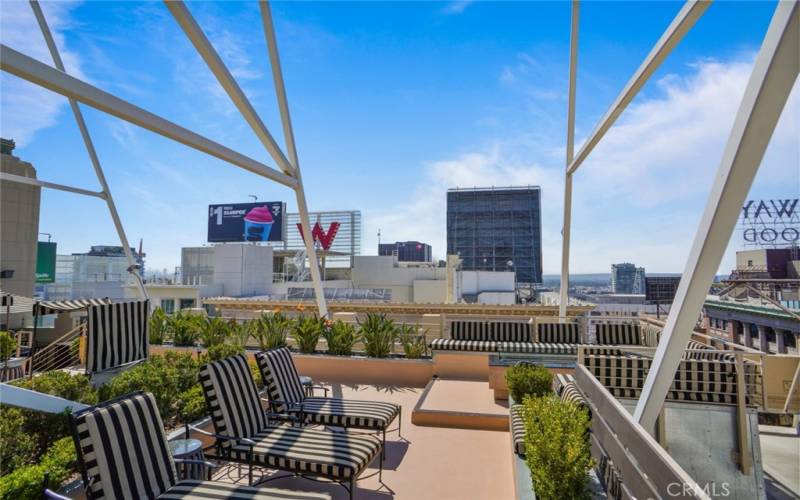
x=780, y=452
x=429, y=463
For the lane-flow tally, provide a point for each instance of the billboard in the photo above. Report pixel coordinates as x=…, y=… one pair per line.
x=770, y=223
x=240, y=222
x=660, y=289
x=45, y=262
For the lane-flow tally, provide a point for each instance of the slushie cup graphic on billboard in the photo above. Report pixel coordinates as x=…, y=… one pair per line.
x=257, y=224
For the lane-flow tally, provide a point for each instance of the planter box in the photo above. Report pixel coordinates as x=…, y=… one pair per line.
x=364, y=370
x=345, y=369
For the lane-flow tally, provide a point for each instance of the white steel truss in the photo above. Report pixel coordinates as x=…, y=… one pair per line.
x=76, y=90
x=771, y=81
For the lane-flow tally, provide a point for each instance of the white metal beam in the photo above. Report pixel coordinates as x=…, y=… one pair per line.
x=774, y=74
x=18, y=397
x=226, y=80
x=288, y=132
x=566, y=228
x=683, y=22
x=30, y=69
x=50, y=185
x=87, y=141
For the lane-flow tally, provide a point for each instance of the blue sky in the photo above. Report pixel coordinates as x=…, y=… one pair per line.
x=392, y=104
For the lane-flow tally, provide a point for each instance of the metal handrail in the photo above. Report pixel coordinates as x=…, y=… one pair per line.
x=52, y=355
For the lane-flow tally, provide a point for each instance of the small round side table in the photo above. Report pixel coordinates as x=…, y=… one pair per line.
x=308, y=385
x=188, y=449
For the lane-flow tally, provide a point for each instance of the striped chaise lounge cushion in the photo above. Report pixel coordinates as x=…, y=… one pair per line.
x=618, y=334
x=558, y=333
x=698, y=350
x=124, y=455
x=235, y=407
x=537, y=348
x=283, y=387
x=463, y=345
x=482, y=336
x=517, y=429
x=708, y=381
x=560, y=381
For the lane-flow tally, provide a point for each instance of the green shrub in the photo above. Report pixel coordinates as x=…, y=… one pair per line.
x=213, y=331
x=191, y=405
x=18, y=447
x=414, y=345
x=8, y=346
x=222, y=351
x=46, y=428
x=528, y=380
x=27, y=482
x=341, y=337
x=165, y=376
x=379, y=334
x=270, y=330
x=307, y=331
x=557, y=448
x=158, y=326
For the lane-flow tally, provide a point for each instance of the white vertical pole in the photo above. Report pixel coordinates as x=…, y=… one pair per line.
x=565, y=230
x=87, y=140
x=774, y=74
x=302, y=206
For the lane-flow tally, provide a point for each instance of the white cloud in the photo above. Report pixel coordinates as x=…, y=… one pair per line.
x=28, y=108
x=456, y=7
x=639, y=196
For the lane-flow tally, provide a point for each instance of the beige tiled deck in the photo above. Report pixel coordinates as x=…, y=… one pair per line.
x=430, y=463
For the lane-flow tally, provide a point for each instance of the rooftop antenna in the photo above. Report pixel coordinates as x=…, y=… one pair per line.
x=379, y=239
x=255, y=198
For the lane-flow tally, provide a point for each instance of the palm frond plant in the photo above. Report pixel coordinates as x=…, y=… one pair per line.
x=414, y=344
x=307, y=331
x=213, y=331
x=379, y=334
x=158, y=326
x=270, y=330
x=238, y=333
x=183, y=328
x=341, y=337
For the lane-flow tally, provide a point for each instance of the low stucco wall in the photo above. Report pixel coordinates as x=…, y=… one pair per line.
x=472, y=366
x=362, y=370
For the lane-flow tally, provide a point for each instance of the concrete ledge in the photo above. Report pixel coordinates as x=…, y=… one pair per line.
x=463, y=365
x=430, y=411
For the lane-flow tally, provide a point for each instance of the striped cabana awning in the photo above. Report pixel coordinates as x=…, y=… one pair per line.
x=6, y=300
x=58, y=306
x=117, y=334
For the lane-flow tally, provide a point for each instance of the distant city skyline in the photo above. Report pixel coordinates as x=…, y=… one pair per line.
x=393, y=104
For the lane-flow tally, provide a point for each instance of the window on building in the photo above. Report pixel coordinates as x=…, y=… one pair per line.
x=187, y=303
x=168, y=305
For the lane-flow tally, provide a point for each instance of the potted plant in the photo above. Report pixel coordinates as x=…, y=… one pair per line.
x=525, y=379
x=270, y=330
x=341, y=337
x=307, y=331
x=379, y=334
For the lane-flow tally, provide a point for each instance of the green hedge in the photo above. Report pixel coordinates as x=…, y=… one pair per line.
x=557, y=448
x=55, y=466
x=528, y=380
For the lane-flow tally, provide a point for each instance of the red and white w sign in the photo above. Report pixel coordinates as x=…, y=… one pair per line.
x=325, y=239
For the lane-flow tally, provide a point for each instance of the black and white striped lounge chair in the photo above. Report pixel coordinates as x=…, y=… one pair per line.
x=618, y=334
x=286, y=396
x=517, y=424
x=245, y=435
x=124, y=455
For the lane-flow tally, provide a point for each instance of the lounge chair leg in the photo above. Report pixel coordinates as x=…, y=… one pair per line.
x=399, y=422
x=380, y=471
x=352, y=487
x=383, y=448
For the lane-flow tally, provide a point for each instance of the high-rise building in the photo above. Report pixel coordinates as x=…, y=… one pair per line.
x=339, y=231
x=100, y=272
x=627, y=278
x=497, y=229
x=407, y=251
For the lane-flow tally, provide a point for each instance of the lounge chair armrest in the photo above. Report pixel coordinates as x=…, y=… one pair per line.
x=246, y=441
x=321, y=387
x=210, y=465
x=283, y=416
